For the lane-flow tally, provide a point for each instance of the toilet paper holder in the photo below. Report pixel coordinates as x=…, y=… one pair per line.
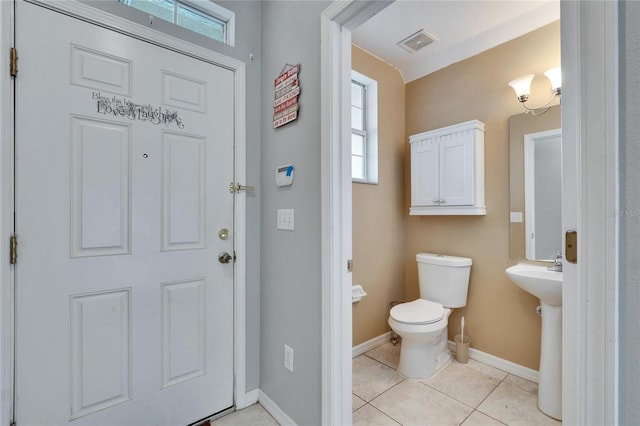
x=357, y=293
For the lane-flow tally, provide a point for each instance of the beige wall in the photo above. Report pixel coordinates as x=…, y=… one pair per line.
x=499, y=317
x=379, y=216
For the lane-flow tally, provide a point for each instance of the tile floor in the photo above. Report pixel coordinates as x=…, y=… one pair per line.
x=253, y=415
x=460, y=394
x=470, y=394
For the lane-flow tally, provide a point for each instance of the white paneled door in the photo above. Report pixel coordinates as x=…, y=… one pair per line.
x=124, y=154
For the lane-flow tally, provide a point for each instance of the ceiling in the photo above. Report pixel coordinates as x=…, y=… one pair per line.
x=463, y=28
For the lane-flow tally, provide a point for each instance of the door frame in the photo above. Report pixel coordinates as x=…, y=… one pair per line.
x=7, y=189
x=6, y=215
x=336, y=22
x=589, y=128
x=589, y=32
x=530, y=140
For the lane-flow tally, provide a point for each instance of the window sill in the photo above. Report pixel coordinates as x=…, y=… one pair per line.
x=367, y=182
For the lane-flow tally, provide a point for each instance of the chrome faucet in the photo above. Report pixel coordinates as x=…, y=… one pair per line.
x=557, y=263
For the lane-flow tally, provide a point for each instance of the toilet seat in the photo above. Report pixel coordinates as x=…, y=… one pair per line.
x=418, y=312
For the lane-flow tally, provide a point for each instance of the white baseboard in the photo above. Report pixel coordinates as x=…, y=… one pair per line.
x=257, y=395
x=370, y=344
x=273, y=409
x=502, y=364
x=250, y=398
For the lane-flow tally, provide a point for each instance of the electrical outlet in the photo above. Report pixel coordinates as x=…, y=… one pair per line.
x=288, y=358
x=285, y=219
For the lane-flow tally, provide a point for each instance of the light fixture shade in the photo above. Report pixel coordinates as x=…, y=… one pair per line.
x=555, y=77
x=521, y=85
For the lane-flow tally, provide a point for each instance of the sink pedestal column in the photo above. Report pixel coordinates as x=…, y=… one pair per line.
x=550, y=375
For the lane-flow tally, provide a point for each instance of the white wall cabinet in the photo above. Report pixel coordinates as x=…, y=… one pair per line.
x=447, y=170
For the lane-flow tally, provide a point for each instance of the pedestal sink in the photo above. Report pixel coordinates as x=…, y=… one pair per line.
x=546, y=285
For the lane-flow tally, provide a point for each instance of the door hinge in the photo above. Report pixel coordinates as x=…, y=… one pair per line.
x=13, y=250
x=13, y=62
x=350, y=265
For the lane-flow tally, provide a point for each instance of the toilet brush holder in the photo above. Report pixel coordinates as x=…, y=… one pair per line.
x=462, y=348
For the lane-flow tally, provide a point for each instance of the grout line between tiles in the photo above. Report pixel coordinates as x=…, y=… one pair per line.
x=490, y=393
x=381, y=412
x=491, y=417
x=462, y=402
x=486, y=397
x=387, y=390
x=381, y=362
x=378, y=361
x=447, y=395
x=474, y=409
x=465, y=419
x=358, y=409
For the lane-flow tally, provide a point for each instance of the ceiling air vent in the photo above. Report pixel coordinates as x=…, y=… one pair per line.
x=417, y=41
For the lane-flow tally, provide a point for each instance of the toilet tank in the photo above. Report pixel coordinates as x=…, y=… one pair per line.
x=444, y=279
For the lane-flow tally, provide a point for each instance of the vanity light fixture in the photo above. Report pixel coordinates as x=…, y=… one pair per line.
x=522, y=86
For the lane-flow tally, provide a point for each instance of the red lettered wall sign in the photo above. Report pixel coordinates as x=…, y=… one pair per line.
x=287, y=90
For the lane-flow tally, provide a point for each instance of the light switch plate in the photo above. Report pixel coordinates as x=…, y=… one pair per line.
x=516, y=217
x=285, y=219
x=288, y=358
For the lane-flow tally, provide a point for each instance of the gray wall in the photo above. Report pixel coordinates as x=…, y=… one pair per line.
x=290, y=287
x=629, y=405
x=247, y=41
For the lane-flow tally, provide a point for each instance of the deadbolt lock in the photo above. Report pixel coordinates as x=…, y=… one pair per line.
x=223, y=233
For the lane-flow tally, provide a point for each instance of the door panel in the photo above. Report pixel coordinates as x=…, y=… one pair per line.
x=101, y=71
x=124, y=153
x=183, y=331
x=183, y=204
x=100, y=351
x=100, y=187
x=424, y=168
x=183, y=92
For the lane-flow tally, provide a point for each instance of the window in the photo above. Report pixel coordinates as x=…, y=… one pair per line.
x=364, y=129
x=201, y=16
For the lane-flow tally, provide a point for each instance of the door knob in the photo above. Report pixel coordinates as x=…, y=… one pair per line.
x=224, y=257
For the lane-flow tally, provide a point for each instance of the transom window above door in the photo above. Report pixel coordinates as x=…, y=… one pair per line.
x=201, y=16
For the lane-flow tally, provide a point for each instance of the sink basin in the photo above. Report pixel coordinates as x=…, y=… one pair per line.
x=546, y=285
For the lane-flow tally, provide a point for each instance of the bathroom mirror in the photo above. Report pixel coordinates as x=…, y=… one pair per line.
x=535, y=230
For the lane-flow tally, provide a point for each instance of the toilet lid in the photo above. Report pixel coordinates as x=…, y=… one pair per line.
x=419, y=311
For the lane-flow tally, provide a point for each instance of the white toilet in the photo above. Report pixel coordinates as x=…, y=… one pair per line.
x=422, y=324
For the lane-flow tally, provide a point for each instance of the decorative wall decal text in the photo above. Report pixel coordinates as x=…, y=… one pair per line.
x=122, y=107
x=287, y=90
